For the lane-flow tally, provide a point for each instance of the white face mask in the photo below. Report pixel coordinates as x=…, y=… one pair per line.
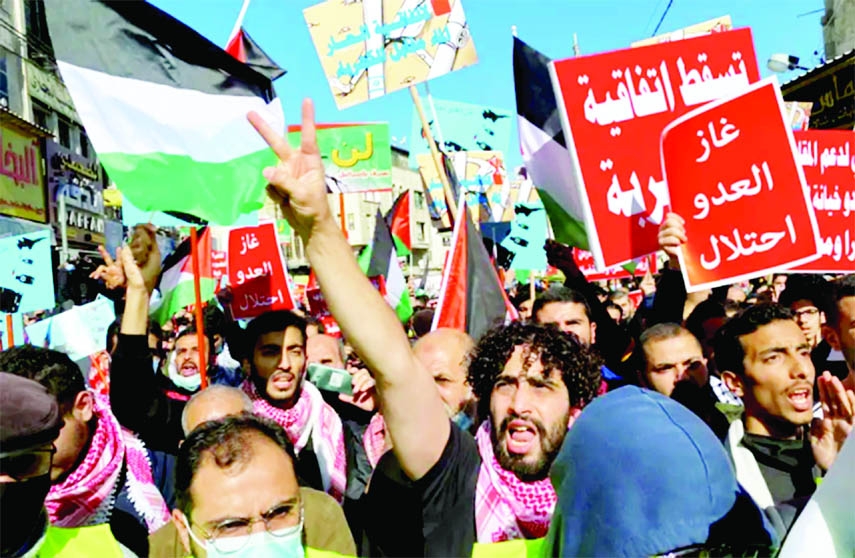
x=284, y=543
x=189, y=383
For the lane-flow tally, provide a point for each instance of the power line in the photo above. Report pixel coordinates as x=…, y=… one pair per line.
x=661, y=19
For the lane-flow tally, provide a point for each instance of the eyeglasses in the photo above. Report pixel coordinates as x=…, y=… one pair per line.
x=805, y=312
x=27, y=464
x=231, y=535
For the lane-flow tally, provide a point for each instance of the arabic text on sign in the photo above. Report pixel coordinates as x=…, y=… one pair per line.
x=746, y=244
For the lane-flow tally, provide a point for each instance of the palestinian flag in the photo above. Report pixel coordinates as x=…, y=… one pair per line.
x=380, y=260
x=165, y=108
x=544, y=149
x=241, y=46
x=471, y=297
x=398, y=220
x=176, y=280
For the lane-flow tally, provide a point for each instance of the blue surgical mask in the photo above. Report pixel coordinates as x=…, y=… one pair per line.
x=284, y=543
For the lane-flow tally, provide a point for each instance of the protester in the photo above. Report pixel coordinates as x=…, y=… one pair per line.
x=238, y=495
x=765, y=359
x=615, y=499
x=275, y=343
x=568, y=310
x=30, y=422
x=101, y=473
x=839, y=328
x=553, y=374
x=213, y=403
x=444, y=354
x=620, y=297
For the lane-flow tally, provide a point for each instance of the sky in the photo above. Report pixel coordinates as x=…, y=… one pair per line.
x=786, y=26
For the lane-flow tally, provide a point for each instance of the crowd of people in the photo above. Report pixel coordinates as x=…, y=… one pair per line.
x=694, y=424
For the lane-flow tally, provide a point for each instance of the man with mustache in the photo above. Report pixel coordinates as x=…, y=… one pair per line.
x=764, y=358
x=275, y=355
x=531, y=382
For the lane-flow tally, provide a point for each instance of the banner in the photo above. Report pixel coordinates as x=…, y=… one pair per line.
x=77, y=180
x=614, y=107
x=21, y=185
x=26, y=273
x=257, y=275
x=357, y=157
x=373, y=47
x=733, y=177
x=460, y=127
x=79, y=332
x=529, y=231
x=827, y=158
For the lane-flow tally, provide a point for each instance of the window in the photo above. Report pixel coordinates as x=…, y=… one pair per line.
x=40, y=116
x=420, y=232
x=84, y=145
x=4, y=83
x=64, y=133
x=38, y=39
x=419, y=200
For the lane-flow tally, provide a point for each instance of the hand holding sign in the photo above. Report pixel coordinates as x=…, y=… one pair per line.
x=297, y=183
x=743, y=161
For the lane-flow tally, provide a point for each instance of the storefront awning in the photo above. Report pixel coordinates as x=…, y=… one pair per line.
x=831, y=89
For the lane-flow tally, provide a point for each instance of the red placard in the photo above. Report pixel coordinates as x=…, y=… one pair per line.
x=733, y=177
x=828, y=160
x=256, y=273
x=614, y=107
x=585, y=263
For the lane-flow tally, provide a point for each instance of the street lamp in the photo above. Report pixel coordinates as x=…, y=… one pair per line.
x=779, y=63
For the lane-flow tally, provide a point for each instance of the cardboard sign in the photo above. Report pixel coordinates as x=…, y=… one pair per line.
x=585, y=263
x=614, y=107
x=827, y=158
x=733, y=177
x=478, y=173
x=79, y=332
x=357, y=157
x=461, y=127
x=717, y=25
x=373, y=47
x=26, y=273
x=257, y=274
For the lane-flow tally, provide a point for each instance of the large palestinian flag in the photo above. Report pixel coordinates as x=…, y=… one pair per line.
x=380, y=260
x=164, y=107
x=471, y=297
x=544, y=148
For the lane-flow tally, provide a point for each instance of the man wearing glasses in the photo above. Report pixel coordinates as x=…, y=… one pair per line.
x=238, y=494
x=29, y=425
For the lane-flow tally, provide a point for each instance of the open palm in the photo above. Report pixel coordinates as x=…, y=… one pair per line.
x=297, y=182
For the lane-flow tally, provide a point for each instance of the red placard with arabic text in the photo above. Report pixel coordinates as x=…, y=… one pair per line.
x=585, y=263
x=732, y=175
x=257, y=275
x=828, y=160
x=614, y=107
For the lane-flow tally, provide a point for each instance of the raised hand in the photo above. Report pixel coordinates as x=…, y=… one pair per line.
x=838, y=414
x=111, y=271
x=560, y=256
x=364, y=394
x=297, y=183
x=135, y=279
x=648, y=284
x=672, y=234
x=146, y=254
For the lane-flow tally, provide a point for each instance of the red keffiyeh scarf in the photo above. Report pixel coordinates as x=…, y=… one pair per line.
x=374, y=439
x=311, y=418
x=507, y=508
x=87, y=495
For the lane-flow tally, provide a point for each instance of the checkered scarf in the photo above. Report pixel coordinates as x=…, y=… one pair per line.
x=310, y=418
x=507, y=508
x=87, y=495
x=374, y=439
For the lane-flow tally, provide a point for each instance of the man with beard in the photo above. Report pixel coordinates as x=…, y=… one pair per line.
x=765, y=359
x=101, y=473
x=531, y=382
x=276, y=359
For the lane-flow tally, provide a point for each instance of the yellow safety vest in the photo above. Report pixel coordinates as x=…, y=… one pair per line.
x=79, y=542
x=517, y=548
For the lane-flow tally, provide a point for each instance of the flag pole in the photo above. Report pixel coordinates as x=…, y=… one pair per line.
x=341, y=219
x=238, y=21
x=10, y=330
x=200, y=322
x=434, y=151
